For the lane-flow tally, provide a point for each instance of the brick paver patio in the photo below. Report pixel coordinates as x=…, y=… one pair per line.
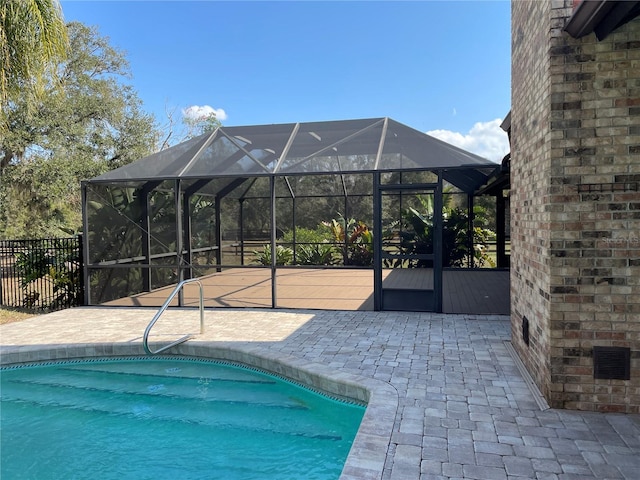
x=463, y=410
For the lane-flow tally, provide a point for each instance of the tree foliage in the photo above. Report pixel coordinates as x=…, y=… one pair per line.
x=174, y=132
x=33, y=38
x=87, y=124
x=418, y=229
x=201, y=125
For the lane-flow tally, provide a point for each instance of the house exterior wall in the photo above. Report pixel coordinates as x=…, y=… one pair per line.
x=575, y=196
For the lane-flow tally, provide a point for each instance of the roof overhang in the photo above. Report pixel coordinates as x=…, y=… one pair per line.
x=601, y=17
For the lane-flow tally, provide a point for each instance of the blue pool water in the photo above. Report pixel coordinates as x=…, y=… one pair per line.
x=168, y=418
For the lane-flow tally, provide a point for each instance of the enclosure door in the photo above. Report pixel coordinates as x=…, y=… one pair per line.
x=408, y=270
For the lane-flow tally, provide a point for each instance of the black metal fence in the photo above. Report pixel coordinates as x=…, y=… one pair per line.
x=41, y=274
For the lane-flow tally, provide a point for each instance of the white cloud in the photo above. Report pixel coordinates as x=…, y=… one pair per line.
x=486, y=139
x=195, y=112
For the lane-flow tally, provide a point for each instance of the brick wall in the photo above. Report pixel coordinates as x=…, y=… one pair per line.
x=575, y=176
x=530, y=177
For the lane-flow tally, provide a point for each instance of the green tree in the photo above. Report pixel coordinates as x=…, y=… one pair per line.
x=417, y=235
x=191, y=127
x=33, y=38
x=201, y=125
x=91, y=123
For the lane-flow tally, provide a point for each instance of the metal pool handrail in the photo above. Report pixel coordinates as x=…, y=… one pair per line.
x=145, y=340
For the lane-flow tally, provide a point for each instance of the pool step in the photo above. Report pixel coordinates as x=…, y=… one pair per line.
x=227, y=400
x=200, y=392
x=219, y=384
x=187, y=371
x=176, y=375
x=219, y=419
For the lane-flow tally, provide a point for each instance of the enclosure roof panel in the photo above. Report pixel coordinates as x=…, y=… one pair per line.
x=332, y=147
x=164, y=165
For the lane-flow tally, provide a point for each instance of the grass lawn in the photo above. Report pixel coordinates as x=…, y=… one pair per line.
x=8, y=315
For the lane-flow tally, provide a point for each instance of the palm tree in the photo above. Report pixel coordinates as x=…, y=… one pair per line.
x=33, y=38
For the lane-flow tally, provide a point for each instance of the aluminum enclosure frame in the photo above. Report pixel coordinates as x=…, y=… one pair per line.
x=219, y=162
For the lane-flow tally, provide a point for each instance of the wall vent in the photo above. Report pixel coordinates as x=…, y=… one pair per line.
x=612, y=363
x=525, y=330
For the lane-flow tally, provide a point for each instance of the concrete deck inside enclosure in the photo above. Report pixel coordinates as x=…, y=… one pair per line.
x=464, y=291
x=448, y=399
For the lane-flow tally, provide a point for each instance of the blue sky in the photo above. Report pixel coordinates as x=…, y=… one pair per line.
x=442, y=67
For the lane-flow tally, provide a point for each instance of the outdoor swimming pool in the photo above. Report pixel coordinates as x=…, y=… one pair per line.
x=168, y=417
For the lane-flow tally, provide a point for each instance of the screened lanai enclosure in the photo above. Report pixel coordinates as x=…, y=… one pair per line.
x=351, y=214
